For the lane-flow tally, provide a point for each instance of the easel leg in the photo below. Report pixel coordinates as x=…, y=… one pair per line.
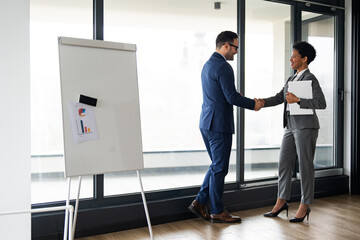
x=145, y=206
x=71, y=214
x=76, y=208
x=67, y=211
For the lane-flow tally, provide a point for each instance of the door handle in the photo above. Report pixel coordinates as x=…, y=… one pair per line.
x=341, y=93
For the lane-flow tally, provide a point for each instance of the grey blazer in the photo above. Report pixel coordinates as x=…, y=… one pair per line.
x=317, y=102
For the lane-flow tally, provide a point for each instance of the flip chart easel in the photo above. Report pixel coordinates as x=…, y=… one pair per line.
x=105, y=72
x=71, y=212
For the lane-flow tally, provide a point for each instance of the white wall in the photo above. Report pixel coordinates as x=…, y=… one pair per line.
x=347, y=88
x=15, y=178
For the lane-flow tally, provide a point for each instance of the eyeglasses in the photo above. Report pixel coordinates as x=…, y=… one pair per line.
x=236, y=47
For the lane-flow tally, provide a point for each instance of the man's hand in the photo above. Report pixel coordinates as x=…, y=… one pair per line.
x=291, y=98
x=259, y=103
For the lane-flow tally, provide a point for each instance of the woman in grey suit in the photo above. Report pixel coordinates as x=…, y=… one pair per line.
x=301, y=132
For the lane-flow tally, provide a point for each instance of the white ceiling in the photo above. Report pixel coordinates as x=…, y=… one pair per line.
x=179, y=7
x=169, y=13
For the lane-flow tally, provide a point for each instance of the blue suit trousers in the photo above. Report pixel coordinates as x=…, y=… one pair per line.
x=218, y=145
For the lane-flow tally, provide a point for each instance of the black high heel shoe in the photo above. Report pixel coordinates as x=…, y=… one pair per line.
x=296, y=220
x=274, y=214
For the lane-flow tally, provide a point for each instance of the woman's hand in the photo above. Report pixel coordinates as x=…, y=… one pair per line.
x=291, y=98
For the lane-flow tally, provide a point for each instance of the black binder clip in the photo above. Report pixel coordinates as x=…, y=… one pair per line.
x=87, y=100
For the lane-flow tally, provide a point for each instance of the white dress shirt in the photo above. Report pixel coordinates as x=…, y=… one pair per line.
x=297, y=76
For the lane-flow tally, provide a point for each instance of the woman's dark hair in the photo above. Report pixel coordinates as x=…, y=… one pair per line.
x=225, y=37
x=305, y=49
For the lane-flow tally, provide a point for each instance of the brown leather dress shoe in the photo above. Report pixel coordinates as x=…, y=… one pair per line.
x=224, y=217
x=199, y=210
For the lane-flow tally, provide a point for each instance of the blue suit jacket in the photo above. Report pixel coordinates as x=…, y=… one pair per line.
x=219, y=95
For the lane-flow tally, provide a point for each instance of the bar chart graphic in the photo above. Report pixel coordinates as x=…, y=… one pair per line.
x=83, y=122
x=83, y=129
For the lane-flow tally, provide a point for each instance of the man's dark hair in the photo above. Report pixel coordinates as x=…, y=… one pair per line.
x=225, y=37
x=305, y=49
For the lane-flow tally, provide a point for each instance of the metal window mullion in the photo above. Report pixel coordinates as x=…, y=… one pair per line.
x=339, y=89
x=98, y=34
x=98, y=19
x=240, y=78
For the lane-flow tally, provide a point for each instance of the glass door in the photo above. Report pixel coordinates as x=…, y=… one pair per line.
x=318, y=30
x=267, y=66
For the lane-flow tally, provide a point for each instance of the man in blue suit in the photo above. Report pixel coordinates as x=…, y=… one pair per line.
x=217, y=126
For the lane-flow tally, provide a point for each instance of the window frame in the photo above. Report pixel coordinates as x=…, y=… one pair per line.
x=296, y=9
x=296, y=25
x=238, y=195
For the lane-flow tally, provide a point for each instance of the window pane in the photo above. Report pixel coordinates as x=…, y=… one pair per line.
x=267, y=66
x=174, y=39
x=48, y=20
x=318, y=30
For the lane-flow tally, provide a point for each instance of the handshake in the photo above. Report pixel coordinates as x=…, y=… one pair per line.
x=259, y=103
